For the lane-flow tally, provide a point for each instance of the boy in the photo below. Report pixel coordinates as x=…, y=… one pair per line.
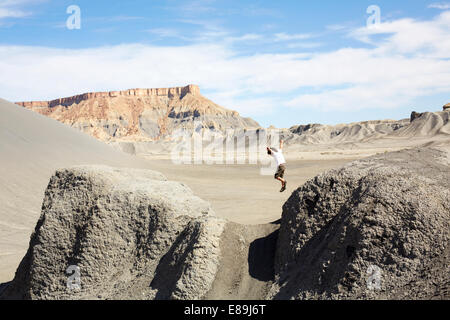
x=281, y=164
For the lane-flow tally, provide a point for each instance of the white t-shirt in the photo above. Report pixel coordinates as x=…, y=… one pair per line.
x=279, y=158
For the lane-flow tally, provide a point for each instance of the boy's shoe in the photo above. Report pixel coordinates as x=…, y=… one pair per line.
x=283, y=187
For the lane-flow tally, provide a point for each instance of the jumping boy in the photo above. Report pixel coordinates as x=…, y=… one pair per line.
x=281, y=164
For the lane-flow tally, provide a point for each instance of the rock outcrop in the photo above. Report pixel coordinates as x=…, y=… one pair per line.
x=415, y=115
x=428, y=124
x=376, y=228
x=138, y=115
x=131, y=233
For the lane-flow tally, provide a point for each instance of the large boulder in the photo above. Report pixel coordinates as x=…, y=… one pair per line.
x=124, y=233
x=376, y=228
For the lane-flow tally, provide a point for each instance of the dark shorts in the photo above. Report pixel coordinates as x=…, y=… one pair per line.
x=280, y=171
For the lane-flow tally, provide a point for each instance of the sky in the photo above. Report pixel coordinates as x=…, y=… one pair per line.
x=281, y=63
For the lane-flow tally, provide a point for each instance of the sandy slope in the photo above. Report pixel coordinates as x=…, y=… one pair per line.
x=31, y=148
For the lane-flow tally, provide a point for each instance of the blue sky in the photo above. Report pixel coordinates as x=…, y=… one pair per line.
x=279, y=62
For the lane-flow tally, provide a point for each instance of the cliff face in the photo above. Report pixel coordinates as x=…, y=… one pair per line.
x=139, y=114
x=165, y=92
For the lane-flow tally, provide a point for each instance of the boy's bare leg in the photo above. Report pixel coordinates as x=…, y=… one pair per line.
x=281, y=180
x=283, y=184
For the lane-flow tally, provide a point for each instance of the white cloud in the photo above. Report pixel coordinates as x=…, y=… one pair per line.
x=336, y=27
x=16, y=8
x=245, y=37
x=165, y=32
x=288, y=37
x=409, y=36
x=411, y=60
x=304, y=45
x=440, y=5
x=10, y=13
x=197, y=6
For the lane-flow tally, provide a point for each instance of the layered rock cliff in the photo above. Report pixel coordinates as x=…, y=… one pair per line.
x=164, y=92
x=139, y=114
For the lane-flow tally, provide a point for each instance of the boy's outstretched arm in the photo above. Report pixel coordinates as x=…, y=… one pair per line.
x=281, y=144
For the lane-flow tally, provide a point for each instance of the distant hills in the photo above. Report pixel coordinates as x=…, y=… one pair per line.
x=141, y=121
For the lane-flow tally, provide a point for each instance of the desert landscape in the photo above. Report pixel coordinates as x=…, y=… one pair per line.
x=91, y=181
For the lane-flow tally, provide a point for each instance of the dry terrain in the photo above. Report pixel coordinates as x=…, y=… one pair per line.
x=34, y=146
x=223, y=231
x=376, y=228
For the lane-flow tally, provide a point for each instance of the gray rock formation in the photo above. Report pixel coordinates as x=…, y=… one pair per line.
x=131, y=233
x=376, y=228
x=426, y=124
x=319, y=134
